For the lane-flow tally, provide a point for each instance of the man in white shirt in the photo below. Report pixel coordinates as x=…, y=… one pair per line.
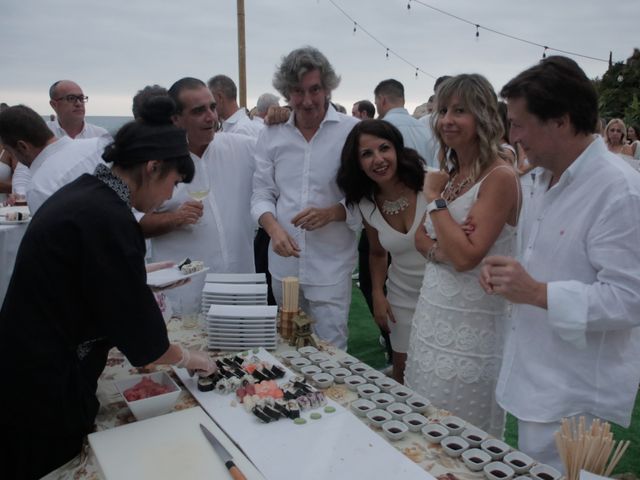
x=389, y=100
x=234, y=119
x=574, y=346
x=296, y=198
x=218, y=228
x=52, y=162
x=67, y=100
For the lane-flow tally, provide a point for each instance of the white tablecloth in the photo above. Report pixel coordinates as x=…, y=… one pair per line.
x=10, y=238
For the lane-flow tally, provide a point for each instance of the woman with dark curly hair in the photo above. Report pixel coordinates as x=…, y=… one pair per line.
x=383, y=179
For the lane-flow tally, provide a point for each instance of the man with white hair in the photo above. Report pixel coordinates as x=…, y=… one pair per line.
x=296, y=198
x=265, y=101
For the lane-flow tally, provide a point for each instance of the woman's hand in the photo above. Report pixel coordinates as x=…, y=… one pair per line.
x=434, y=183
x=422, y=240
x=382, y=313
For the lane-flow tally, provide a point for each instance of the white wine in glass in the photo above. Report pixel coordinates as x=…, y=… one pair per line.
x=200, y=186
x=198, y=194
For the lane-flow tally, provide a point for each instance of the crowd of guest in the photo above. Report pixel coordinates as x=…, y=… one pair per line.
x=498, y=240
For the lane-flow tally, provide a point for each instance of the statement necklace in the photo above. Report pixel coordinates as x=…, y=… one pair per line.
x=453, y=190
x=394, y=207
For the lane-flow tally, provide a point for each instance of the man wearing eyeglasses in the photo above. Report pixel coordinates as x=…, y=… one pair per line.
x=67, y=100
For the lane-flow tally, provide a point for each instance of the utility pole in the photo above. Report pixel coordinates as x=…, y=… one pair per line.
x=242, y=57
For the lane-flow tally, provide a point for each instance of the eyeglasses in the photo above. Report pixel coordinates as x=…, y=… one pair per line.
x=74, y=98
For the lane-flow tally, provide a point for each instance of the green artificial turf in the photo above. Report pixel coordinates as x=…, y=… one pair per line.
x=364, y=344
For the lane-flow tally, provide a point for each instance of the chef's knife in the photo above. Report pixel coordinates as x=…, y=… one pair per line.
x=224, y=454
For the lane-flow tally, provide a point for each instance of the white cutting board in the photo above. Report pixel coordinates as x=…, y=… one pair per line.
x=339, y=446
x=166, y=447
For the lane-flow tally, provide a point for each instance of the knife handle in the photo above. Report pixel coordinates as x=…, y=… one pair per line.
x=234, y=471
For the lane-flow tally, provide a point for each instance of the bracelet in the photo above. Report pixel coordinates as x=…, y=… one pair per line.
x=431, y=253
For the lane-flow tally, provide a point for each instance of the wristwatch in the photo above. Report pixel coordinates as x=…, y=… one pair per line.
x=437, y=204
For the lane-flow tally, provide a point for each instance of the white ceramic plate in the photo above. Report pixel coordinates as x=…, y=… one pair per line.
x=167, y=276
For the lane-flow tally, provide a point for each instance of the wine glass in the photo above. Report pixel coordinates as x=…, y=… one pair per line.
x=200, y=186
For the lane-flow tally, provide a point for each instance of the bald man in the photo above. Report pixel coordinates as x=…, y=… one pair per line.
x=67, y=99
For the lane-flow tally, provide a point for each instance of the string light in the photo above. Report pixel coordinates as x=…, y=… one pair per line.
x=477, y=31
x=416, y=73
x=389, y=50
x=544, y=52
x=513, y=37
x=354, y=27
x=409, y=5
x=387, y=54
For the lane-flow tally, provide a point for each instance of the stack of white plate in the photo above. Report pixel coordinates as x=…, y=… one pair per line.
x=233, y=294
x=238, y=327
x=236, y=278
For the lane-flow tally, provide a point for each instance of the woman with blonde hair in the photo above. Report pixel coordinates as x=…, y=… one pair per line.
x=615, y=136
x=455, y=348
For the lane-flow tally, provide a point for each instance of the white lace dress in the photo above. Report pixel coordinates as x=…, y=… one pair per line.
x=457, y=335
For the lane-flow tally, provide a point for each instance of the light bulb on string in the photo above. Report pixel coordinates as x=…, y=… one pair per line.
x=477, y=32
x=387, y=54
x=409, y=5
x=354, y=27
x=416, y=73
x=544, y=52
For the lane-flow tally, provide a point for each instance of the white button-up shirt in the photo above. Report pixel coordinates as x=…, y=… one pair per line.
x=414, y=133
x=581, y=237
x=240, y=123
x=60, y=163
x=293, y=174
x=223, y=238
x=89, y=130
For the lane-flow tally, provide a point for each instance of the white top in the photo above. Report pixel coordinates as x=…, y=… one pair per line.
x=293, y=174
x=61, y=163
x=405, y=274
x=89, y=130
x=583, y=353
x=223, y=238
x=21, y=179
x=239, y=122
x=414, y=134
x=22, y=175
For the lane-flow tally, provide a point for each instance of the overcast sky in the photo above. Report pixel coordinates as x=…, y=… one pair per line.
x=112, y=48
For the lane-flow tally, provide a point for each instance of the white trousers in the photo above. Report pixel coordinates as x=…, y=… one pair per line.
x=539, y=442
x=327, y=305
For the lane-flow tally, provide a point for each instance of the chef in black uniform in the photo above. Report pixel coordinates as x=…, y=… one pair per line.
x=79, y=288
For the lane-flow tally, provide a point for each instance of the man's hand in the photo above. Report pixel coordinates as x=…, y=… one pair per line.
x=313, y=218
x=276, y=115
x=507, y=277
x=188, y=213
x=282, y=243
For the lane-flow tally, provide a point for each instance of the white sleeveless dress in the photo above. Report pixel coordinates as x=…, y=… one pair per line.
x=457, y=334
x=406, y=271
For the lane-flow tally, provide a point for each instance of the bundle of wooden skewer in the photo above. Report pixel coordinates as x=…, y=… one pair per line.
x=593, y=450
x=290, y=292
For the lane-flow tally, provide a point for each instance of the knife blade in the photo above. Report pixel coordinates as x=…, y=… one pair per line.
x=223, y=453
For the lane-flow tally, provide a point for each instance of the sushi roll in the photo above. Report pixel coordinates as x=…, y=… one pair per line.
x=257, y=411
x=271, y=412
x=304, y=403
x=206, y=384
x=294, y=409
x=277, y=371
